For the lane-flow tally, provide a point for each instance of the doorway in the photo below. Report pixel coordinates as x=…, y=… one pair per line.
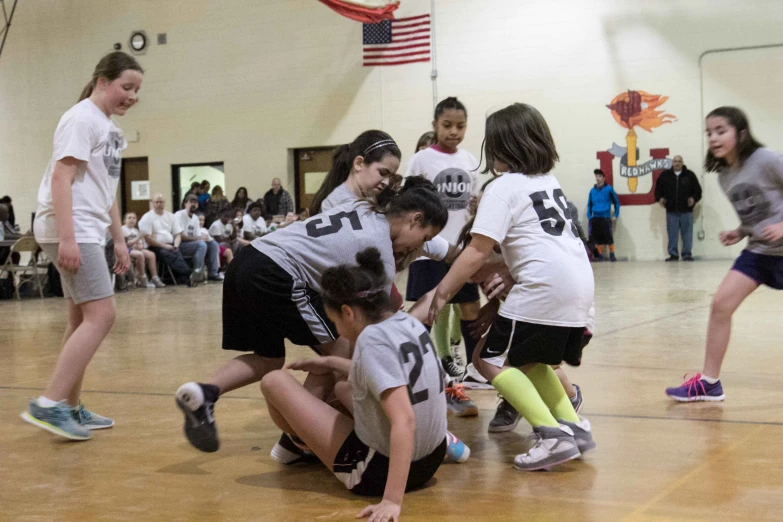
x=311, y=166
x=134, y=186
x=184, y=175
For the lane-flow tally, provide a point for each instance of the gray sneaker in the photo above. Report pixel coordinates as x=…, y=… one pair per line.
x=157, y=282
x=459, y=404
x=583, y=435
x=506, y=417
x=90, y=420
x=57, y=419
x=455, y=353
x=576, y=401
x=554, y=446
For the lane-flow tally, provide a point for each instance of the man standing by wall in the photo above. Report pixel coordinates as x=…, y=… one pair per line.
x=599, y=212
x=277, y=200
x=678, y=190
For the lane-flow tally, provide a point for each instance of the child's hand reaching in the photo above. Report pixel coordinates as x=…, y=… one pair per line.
x=730, y=237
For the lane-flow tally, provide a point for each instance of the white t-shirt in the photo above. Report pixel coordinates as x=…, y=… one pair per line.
x=528, y=217
x=203, y=232
x=88, y=135
x=219, y=229
x=456, y=178
x=162, y=227
x=132, y=233
x=188, y=224
x=256, y=228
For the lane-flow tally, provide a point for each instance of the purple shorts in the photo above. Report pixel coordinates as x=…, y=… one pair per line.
x=764, y=269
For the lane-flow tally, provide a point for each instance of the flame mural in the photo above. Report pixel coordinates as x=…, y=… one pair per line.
x=638, y=109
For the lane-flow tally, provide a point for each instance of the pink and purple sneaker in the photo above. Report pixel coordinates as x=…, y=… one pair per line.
x=696, y=389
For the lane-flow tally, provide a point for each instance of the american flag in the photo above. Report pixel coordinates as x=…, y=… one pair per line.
x=397, y=42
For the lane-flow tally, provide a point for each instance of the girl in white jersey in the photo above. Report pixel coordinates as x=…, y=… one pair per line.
x=452, y=170
x=542, y=321
x=272, y=290
x=76, y=206
x=397, y=437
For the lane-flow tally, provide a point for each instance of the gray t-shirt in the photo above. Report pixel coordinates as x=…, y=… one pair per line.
x=756, y=191
x=339, y=196
x=305, y=249
x=398, y=352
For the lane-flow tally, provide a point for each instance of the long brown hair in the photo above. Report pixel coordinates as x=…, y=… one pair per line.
x=746, y=143
x=110, y=67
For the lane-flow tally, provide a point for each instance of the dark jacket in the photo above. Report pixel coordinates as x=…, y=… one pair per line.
x=278, y=204
x=677, y=189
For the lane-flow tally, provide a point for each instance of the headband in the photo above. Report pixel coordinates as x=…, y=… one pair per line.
x=378, y=144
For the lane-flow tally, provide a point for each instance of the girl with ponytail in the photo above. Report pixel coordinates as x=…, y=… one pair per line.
x=360, y=169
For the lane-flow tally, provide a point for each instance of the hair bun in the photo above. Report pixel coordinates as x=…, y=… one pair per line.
x=416, y=182
x=370, y=259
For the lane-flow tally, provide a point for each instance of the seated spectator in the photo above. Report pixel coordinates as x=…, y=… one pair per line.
x=140, y=255
x=216, y=204
x=226, y=255
x=224, y=231
x=239, y=226
x=278, y=201
x=201, y=249
x=253, y=223
x=9, y=233
x=163, y=235
x=6, y=200
x=240, y=201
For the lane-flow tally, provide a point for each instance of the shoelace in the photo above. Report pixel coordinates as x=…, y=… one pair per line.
x=456, y=392
x=84, y=413
x=695, y=385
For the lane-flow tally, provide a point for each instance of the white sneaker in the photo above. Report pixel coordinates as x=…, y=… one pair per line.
x=554, y=446
x=473, y=380
x=157, y=282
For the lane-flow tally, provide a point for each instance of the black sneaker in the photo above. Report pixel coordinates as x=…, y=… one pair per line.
x=671, y=259
x=612, y=258
x=687, y=258
x=451, y=368
x=290, y=449
x=506, y=417
x=200, y=428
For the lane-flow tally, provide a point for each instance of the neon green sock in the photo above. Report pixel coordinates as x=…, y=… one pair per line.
x=440, y=333
x=552, y=392
x=456, y=331
x=520, y=392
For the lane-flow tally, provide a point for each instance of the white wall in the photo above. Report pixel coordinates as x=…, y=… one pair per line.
x=243, y=81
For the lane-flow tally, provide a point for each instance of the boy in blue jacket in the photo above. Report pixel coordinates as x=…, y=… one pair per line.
x=599, y=214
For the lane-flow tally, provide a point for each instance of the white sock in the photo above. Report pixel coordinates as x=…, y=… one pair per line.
x=43, y=402
x=709, y=380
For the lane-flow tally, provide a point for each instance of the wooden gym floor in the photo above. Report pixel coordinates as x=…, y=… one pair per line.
x=655, y=460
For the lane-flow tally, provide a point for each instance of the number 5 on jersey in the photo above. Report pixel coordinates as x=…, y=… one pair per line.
x=553, y=219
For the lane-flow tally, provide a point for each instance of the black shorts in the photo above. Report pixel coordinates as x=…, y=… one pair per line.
x=426, y=274
x=601, y=231
x=524, y=343
x=364, y=471
x=762, y=268
x=263, y=306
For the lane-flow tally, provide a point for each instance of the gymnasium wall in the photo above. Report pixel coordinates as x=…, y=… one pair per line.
x=245, y=81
